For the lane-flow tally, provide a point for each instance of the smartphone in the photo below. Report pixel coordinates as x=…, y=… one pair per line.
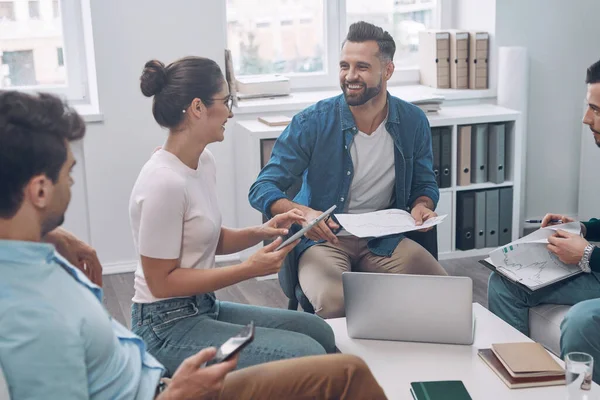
x=234, y=344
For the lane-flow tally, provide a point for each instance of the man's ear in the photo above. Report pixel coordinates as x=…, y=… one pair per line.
x=39, y=191
x=389, y=70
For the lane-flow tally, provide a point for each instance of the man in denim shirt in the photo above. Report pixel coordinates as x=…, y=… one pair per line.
x=363, y=151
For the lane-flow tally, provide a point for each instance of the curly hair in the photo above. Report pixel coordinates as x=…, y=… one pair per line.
x=34, y=130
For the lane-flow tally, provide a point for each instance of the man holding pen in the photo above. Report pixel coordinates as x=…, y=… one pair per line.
x=580, y=330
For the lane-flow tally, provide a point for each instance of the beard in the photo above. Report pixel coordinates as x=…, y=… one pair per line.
x=596, y=136
x=52, y=223
x=359, y=99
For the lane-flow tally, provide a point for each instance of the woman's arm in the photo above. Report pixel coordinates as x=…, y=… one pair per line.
x=234, y=240
x=166, y=279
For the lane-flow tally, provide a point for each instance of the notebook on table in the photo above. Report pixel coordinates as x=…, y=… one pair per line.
x=439, y=390
x=521, y=365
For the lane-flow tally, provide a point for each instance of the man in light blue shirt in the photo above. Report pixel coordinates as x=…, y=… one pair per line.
x=56, y=339
x=70, y=355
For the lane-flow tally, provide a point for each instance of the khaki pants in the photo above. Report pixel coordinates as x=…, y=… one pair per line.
x=320, y=269
x=338, y=376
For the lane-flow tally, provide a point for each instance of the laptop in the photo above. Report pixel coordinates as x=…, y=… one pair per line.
x=415, y=308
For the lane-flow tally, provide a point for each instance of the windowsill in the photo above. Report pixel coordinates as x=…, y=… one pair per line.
x=89, y=112
x=300, y=100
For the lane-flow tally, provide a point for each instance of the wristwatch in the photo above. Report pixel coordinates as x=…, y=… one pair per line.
x=584, y=263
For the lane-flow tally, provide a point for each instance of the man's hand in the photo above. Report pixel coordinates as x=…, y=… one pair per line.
x=567, y=246
x=547, y=221
x=192, y=382
x=267, y=260
x=421, y=214
x=321, y=231
x=77, y=252
x=280, y=224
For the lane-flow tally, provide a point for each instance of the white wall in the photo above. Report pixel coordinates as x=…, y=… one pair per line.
x=126, y=35
x=562, y=41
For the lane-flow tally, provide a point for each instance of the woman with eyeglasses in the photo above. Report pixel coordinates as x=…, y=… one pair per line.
x=176, y=224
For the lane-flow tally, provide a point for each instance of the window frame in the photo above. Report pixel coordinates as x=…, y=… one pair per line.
x=334, y=23
x=78, y=56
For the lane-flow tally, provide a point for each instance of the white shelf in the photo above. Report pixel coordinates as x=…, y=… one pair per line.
x=472, y=114
x=482, y=186
x=299, y=100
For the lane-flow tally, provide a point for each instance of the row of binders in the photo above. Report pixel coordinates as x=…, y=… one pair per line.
x=481, y=153
x=484, y=218
x=454, y=59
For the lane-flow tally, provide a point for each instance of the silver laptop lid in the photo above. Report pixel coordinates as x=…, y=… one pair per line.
x=435, y=309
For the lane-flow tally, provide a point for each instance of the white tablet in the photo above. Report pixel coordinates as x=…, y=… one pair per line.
x=307, y=228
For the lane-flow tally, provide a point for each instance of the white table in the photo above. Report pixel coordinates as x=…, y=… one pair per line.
x=396, y=364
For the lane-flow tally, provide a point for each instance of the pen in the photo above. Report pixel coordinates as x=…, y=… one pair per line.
x=539, y=221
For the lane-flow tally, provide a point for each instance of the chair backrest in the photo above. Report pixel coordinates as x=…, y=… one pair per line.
x=4, y=395
x=426, y=239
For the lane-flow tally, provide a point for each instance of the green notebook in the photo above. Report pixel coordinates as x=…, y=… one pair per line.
x=439, y=390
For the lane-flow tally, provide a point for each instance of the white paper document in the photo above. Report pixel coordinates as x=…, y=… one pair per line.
x=528, y=260
x=383, y=223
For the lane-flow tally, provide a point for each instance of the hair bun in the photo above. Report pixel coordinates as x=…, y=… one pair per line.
x=154, y=78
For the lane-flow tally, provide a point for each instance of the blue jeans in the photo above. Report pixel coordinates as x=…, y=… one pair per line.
x=175, y=329
x=580, y=329
x=512, y=304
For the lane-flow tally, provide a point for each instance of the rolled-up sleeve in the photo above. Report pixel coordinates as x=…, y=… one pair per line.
x=41, y=355
x=423, y=181
x=289, y=159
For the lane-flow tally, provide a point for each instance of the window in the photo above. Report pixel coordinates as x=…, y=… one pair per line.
x=266, y=36
x=7, y=11
x=403, y=19
x=302, y=39
x=34, y=9
x=47, y=50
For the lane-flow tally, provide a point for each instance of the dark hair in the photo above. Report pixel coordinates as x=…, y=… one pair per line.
x=176, y=85
x=363, y=31
x=33, y=131
x=593, y=73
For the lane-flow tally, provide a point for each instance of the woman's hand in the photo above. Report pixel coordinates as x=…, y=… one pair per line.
x=280, y=224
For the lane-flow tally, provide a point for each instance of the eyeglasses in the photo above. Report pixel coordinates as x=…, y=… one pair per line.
x=227, y=100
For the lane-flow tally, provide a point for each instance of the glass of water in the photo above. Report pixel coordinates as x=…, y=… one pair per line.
x=579, y=367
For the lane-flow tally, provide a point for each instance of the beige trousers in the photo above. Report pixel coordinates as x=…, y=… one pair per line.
x=320, y=269
x=333, y=376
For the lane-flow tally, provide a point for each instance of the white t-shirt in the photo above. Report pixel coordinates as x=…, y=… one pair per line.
x=373, y=183
x=174, y=214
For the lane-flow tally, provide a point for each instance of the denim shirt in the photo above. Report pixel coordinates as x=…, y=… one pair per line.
x=315, y=148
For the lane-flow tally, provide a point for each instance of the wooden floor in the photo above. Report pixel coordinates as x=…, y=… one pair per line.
x=118, y=289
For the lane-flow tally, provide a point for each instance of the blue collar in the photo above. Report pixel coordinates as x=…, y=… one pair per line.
x=347, y=118
x=42, y=255
x=17, y=251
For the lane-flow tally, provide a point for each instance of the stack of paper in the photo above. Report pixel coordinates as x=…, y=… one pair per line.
x=383, y=223
x=528, y=261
